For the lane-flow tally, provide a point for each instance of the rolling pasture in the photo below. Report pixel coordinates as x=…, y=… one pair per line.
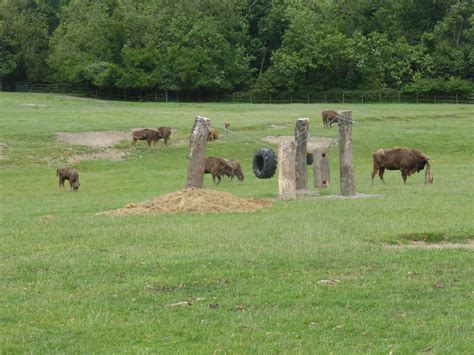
x=390, y=273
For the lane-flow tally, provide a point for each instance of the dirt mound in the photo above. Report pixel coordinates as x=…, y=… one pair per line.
x=313, y=142
x=93, y=139
x=192, y=201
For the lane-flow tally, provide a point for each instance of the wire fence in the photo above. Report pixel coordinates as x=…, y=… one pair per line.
x=158, y=95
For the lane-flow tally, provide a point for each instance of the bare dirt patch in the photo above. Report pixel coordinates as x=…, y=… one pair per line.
x=192, y=201
x=313, y=142
x=108, y=154
x=423, y=245
x=102, y=139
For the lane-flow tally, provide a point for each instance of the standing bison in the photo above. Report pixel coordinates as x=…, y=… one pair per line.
x=165, y=133
x=220, y=167
x=236, y=169
x=68, y=174
x=145, y=134
x=407, y=160
x=329, y=117
x=212, y=135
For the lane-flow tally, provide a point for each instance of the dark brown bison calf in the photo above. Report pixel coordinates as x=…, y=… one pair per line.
x=407, y=160
x=148, y=134
x=236, y=169
x=329, y=117
x=218, y=167
x=68, y=174
x=165, y=133
x=212, y=135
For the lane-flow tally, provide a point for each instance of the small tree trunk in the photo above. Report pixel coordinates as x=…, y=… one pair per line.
x=321, y=168
x=301, y=141
x=286, y=170
x=346, y=167
x=197, y=152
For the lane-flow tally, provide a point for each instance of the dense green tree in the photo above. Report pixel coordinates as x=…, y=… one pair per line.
x=23, y=40
x=268, y=46
x=86, y=44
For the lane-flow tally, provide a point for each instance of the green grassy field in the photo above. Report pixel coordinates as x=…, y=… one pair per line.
x=78, y=282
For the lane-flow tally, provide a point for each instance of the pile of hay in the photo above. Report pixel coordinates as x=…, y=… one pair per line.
x=192, y=201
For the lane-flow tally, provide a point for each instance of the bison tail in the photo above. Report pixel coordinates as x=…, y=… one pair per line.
x=428, y=174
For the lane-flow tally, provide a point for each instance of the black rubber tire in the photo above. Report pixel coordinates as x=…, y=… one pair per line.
x=264, y=163
x=309, y=158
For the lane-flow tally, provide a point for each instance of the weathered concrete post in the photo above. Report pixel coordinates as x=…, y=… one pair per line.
x=321, y=168
x=197, y=152
x=286, y=170
x=346, y=168
x=301, y=141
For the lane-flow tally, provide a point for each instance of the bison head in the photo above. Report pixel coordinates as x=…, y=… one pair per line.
x=239, y=174
x=75, y=185
x=421, y=165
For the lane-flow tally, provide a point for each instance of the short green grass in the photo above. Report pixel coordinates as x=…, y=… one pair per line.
x=78, y=282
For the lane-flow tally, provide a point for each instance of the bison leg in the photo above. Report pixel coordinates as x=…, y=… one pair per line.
x=404, y=176
x=61, y=183
x=134, y=143
x=214, y=179
x=148, y=141
x=374, y=172
x=166, y=140
x=381, y=171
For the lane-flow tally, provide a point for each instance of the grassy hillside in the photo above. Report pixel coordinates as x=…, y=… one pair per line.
x=73, y=281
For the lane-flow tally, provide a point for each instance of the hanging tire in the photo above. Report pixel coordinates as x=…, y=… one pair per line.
x=264, y=163
x=309, y=158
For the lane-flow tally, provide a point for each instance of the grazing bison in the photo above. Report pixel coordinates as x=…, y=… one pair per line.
x=236, y=169
x=329, y=117
x=218, y=167
x=407, y=160
x=165, y=133
x=148, y=134
x=212, y=135
x=68, y=174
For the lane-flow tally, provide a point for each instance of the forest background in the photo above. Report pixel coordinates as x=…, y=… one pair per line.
x=254, y=46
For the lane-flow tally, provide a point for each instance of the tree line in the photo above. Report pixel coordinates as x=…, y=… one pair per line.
x=260, y=46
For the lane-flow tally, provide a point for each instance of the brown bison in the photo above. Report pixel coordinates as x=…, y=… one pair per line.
x=165, y=133
x=407, y=160
x=212, y=135
x=329, y=117
x=148, y=134
x=236, y=169
x=218, y=167
x=68, y=174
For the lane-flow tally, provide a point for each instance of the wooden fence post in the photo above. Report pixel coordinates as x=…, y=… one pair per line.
x=321, y=168
x=286, y=170
x=346, y=168
x=301, y=141
x=197, y=152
